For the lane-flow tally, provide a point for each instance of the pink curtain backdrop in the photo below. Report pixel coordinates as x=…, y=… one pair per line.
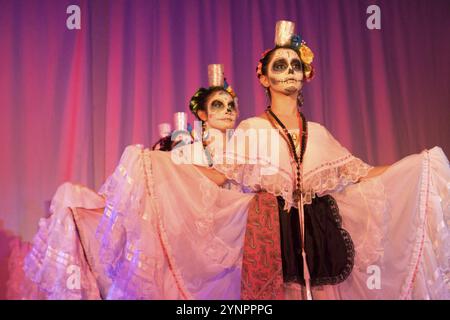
x=71, y=100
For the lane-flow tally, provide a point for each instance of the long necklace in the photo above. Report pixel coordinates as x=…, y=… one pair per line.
x=297, y=194
x=291, y=145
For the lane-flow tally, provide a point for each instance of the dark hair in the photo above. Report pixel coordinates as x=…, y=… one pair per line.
x=199, y=99
x=164, y=144
x=265, y=64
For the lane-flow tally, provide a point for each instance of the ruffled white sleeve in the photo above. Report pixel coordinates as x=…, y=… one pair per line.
x=168, y=232
x=256, y=159
x=328, y=166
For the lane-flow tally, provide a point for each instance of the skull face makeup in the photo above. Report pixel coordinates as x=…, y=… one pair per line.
x=221, y=111
x=285, y=72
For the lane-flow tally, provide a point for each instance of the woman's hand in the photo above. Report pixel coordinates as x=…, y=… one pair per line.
x=213, y=175
x=375, y=171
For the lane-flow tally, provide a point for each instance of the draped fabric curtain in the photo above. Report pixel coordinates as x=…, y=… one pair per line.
x=71, y=100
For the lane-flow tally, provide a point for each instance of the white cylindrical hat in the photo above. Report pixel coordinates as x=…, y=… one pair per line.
x=284, y=30
x=215, y=75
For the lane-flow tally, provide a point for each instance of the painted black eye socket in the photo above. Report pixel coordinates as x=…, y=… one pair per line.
x=296, y=65
x=232, y=106
x=217, y=105
x=279, y=65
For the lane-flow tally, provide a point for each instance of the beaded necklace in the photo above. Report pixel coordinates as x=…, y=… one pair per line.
x=290, y=141
x=297, y=194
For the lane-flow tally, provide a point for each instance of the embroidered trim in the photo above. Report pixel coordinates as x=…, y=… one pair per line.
x=406, y=291
x=333, y=176
x=146, y=162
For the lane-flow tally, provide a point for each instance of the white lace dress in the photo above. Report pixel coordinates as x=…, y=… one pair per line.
x=167, y=232
x=399, y=221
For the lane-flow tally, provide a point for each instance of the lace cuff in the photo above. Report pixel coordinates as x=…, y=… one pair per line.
x=261, y=176
x=329, y=177
x=333, y=176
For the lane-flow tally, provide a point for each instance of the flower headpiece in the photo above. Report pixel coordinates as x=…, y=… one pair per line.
x=228, y=88
x=285, y=37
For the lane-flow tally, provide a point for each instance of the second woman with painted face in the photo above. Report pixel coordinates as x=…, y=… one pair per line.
x=215, y=108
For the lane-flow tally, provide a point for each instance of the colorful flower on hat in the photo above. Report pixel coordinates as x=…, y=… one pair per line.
x=228, y=88
x=306, y=54
x=296, y=41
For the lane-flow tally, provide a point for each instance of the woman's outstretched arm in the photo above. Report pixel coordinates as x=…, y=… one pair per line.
x=375, y=171
x=214, y=175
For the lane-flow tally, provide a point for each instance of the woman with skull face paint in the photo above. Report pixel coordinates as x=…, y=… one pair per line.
x=315, y=249
x=157, y=229
x=335, y=212
x=184, y=237
x=215, y=108
x=168, y=232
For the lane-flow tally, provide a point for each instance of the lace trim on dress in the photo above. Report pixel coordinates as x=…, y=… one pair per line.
x=147, y=167
x=131, y=270
x=256, y=177
x=333, y=176
x=55, y=262
x=427, y=205
x=329, y=177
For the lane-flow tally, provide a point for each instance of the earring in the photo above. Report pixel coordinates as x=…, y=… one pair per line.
x=205, y=132
x=300, y=99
